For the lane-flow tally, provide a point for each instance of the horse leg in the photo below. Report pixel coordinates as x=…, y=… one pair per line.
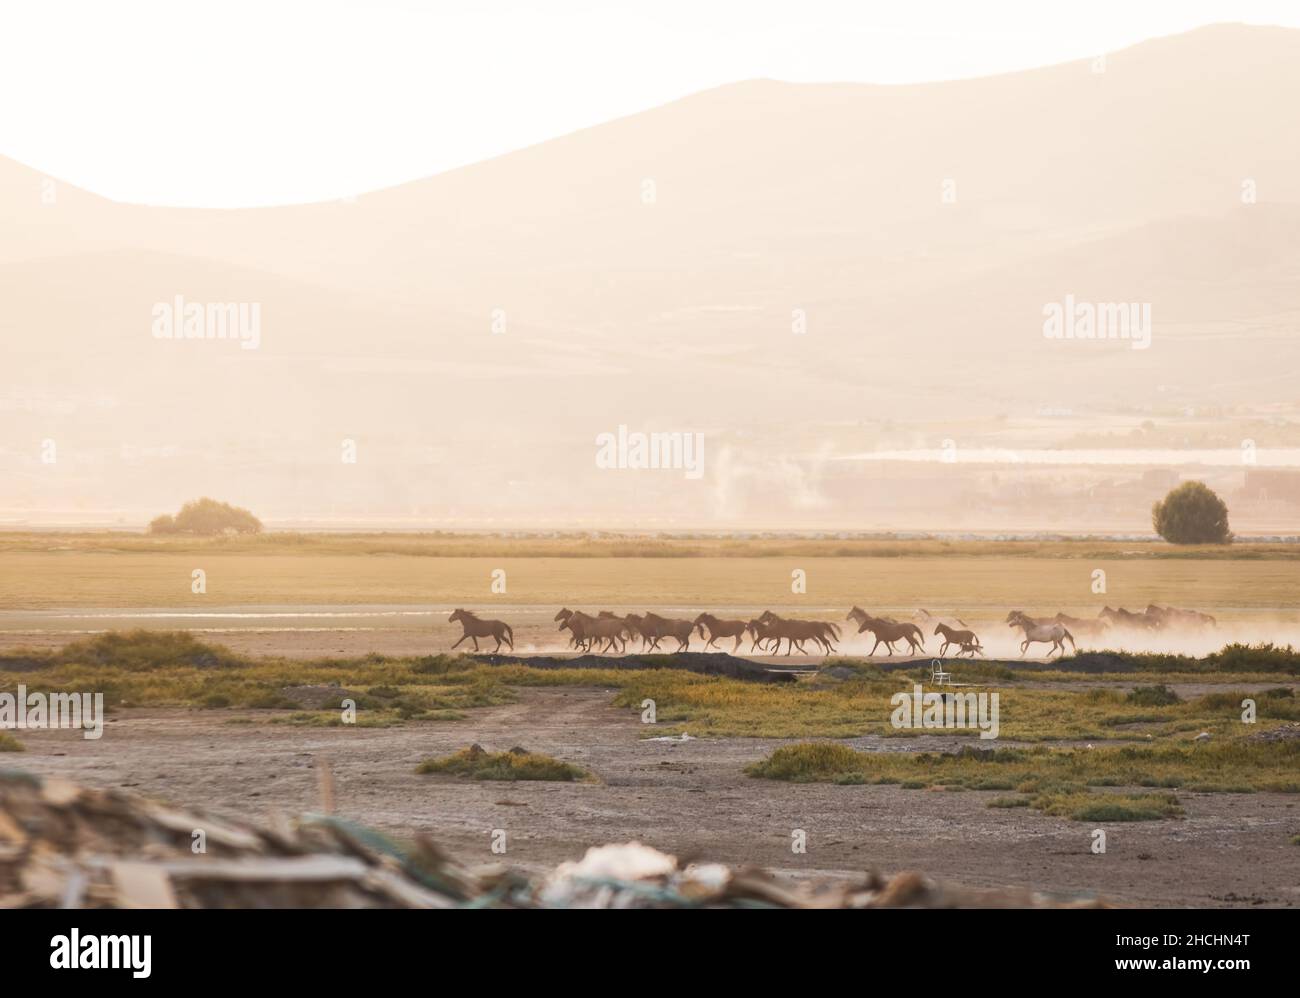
x=462, y=638
x=475, y=640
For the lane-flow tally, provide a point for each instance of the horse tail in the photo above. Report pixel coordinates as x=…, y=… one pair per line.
x=1071, y=637
x=509, y=633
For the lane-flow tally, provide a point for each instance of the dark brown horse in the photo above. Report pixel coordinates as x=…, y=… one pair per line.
x=965, y=640
x=796, y=632
x=761, y=633
x=476, y=627
x=1172, y=616
x=886, y=632
x=589, y=631
x=655, y=628
x=1127, y=618
x=718, y=628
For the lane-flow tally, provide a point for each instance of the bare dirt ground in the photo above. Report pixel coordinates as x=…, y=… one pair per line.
x=689, y=798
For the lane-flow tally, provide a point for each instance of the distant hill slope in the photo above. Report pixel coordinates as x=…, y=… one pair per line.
x=649, y=270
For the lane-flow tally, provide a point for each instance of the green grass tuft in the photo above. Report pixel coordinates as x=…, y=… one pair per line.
x=1154, y=696
x=516, y=764
x=1094, y=806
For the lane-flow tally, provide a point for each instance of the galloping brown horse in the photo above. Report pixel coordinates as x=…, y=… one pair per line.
x=761, y=633
x=966, y=640
x=1127, y=618
x=889, y=631
x=796, y=632
x=587, y=630
x=1172, y=616
x=655, y=628
x=476, y=627
x=718, y=628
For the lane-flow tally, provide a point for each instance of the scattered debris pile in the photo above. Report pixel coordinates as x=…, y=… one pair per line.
x=636, y=876
x=1282, y=733
x=62, y=845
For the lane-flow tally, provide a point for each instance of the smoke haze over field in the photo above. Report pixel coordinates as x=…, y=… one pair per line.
x=839, y=288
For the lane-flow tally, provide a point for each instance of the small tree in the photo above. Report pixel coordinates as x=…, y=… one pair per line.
x=1191, y=514
x=162, y=524
x=206, y=518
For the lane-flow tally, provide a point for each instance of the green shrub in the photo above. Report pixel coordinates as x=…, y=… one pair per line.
x=1191, y=514
x=808, y=761
x=1009, y=802
x=1153, y=696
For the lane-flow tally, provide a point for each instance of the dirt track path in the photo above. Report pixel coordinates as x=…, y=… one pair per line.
x=689, y=798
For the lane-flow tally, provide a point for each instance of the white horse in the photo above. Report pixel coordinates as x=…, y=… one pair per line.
x=1036, y=631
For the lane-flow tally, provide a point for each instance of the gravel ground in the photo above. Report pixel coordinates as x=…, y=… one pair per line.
x=689, y=798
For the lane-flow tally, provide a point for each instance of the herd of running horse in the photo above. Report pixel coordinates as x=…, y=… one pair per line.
x=609, y=632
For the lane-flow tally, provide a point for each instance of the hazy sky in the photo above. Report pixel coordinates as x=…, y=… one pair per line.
x=234, y=102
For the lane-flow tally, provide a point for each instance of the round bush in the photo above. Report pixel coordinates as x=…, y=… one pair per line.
x=1191, y=514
